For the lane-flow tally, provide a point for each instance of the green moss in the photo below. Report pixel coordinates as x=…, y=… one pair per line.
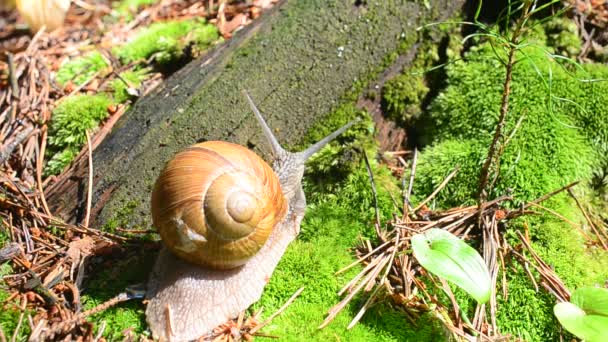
x=166, y=41
x=563, y=247
x=525, y=313
x=9, y=317
x=129, y=269
x=81, y=69
x=71, y=119
x=10, y=311
x=557, y=142
x=562, y=138
x=402, y=95
x=60, y=160
x=4, y=236
x=128, y=79
x=330, y=228
x=334, y=162
x=202, y=37
x=562, y=35
x=121, y=217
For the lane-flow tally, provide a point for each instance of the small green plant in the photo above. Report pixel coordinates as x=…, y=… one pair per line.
x=81, y=69
x=586, y=315
x=448, y=257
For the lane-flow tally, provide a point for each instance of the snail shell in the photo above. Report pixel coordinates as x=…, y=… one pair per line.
x=216, y=203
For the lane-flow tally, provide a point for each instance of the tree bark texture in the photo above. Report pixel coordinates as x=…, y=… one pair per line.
x=296, y=61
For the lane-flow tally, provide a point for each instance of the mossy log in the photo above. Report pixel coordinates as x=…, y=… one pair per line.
x=297, y=61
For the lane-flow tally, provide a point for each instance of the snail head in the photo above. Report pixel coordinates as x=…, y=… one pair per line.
x=289, y=166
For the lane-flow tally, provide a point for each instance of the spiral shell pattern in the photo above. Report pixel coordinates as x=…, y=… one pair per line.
x=216, y=203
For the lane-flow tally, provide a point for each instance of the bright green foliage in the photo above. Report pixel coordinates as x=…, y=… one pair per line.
x=60, y=159
x=586, y=315
x=334, y=162
x=128, y=79
x=71, y=119
x=402, y=95
x=121, y=218
x=166, y=41
x=203, y=36
x=330, y=166
x=562, y=246
x=4, y=237
x=437, y=161
x=448, y=257
x=81, y=69
x=10, y=311
x=9, y=316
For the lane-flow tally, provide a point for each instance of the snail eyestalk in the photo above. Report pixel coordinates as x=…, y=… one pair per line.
x=278, y=150
x=274, y=143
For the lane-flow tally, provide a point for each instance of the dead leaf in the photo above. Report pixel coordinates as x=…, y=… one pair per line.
x=80, y=248
x=226, y=28
x=93, y=85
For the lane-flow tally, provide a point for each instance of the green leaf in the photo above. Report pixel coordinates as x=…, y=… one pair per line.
x=448, y=257
x=587, y=314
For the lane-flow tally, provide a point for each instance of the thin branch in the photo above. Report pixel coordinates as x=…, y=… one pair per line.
x=374, y=192
x=441, y=186
x=597, y=233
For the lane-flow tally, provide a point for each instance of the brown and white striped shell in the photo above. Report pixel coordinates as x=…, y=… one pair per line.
x=216, y=203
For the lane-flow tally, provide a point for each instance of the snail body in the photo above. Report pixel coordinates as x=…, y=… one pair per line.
x=225, y=218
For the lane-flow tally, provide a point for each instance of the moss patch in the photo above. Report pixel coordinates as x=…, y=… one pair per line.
x=563, y=128
x=562, y=138
x=526, y=313
x=10, y=311
x=121, y=217
x=81, y=69
x=165, y=42
x=402, y=97
x=330, y=166
x=562, y=35
x=72, y=118
x=130, y=268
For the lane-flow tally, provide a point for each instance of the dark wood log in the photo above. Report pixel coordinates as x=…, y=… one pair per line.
x=296, y=61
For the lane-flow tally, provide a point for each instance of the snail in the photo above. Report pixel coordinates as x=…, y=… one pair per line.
x=225, y=218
